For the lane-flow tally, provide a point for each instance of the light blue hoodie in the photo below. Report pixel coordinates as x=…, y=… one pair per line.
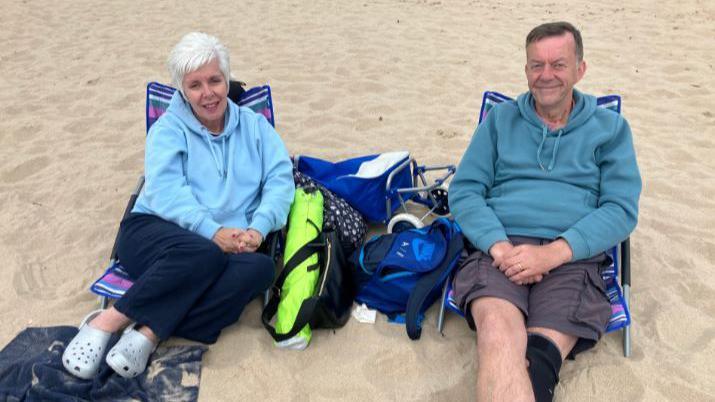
x=580, y=182
x=241, y=178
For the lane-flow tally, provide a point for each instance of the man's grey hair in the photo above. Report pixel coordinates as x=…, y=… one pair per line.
x=195, y=50
x=556, y=29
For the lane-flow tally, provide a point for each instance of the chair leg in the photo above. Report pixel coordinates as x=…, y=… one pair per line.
x=627, y=330
x=103, y=302
x=443, y=300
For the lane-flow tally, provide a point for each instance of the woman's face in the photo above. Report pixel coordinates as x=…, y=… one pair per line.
x=206, y=90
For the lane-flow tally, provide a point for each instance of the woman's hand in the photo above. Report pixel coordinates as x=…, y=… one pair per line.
x=227, y=239
x=249, y=241
x=234, y=241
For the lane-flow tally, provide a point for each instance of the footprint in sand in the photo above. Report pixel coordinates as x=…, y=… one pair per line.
x=25, y=169
x=399, y=363
x=31, y=280
x=446, y=134
x=80, y=125
x=322, y=104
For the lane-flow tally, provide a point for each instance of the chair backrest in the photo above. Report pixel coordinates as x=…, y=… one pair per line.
x=159, y=95
x=491, y=99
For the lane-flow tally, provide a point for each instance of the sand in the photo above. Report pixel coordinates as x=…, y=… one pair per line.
x=351, y=79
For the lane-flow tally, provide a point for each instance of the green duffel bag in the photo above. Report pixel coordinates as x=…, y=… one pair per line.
x=301, y=268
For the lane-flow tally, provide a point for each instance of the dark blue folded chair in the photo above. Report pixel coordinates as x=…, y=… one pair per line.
x=620, y=314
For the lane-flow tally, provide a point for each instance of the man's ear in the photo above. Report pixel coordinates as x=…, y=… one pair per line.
x=581, y=69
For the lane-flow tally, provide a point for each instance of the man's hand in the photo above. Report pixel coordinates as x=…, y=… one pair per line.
x=526, y=263
x=249, y=241
x=498, y=250
x=226, y=239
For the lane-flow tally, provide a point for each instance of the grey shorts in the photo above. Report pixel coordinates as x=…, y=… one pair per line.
x=571, y=299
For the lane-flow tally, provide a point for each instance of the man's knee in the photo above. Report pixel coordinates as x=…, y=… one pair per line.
x=498, y=322
x=544, y=365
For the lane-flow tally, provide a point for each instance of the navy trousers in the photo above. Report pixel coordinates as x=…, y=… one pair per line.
x=184, y=284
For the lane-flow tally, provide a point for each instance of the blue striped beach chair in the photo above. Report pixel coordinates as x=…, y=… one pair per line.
x=619, y=298
x=115, y=281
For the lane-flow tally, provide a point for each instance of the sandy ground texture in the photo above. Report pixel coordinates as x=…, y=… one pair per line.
x=349, y=79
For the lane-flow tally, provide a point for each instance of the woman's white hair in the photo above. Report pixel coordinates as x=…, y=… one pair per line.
x=195, y=50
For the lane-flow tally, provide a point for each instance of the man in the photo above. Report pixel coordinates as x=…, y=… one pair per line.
x=547, y=184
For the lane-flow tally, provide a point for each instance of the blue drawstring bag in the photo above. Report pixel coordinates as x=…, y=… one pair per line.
x=404, y=272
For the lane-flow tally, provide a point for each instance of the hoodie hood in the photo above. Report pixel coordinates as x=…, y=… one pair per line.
x=181, y=110
x=584, y=107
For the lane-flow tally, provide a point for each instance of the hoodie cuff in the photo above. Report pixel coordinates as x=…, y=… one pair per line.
x=485, y=242
x=578, y=244
x=262, y=225
x=208, y=228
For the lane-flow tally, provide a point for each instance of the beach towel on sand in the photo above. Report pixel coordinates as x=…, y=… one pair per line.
x=31, y=370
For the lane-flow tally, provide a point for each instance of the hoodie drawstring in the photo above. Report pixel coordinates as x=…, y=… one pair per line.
x=541, y=146
x=556, y=149
x=220, y=167
x=552, y=162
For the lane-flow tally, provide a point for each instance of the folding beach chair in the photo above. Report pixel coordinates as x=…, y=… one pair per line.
x=380, y=185
x=115, y=281
x=620, y=314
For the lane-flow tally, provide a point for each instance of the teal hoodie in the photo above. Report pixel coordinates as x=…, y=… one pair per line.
x=240, y=178
x=580, y=182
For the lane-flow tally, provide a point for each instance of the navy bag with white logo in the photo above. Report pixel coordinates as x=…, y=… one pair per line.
x=404, y=272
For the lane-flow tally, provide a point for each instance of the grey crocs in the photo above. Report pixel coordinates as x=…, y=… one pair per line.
x=83, y=355
x=130, y=354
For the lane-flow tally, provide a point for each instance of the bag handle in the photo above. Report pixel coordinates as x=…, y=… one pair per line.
x=361, y=257
x=307, y=308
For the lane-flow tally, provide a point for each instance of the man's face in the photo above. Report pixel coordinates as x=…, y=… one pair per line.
x=552, y=70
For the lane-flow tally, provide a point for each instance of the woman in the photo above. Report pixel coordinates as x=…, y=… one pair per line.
x=218, y=180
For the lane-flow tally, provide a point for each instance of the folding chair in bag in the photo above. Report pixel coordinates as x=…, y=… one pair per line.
x=620, y=254
x=379, y=186
x=115, y=281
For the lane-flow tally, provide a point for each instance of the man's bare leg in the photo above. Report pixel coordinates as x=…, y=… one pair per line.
x=501, y=350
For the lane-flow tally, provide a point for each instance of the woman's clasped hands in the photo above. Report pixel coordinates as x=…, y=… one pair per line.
x=234, y=241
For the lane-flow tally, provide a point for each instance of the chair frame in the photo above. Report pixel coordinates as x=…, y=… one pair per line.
x=621, y=252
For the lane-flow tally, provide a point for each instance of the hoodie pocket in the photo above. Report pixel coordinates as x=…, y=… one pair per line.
x=593, y=309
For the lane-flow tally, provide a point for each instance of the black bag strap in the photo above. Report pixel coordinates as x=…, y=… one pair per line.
x=313, y=246
x=302, y=254
x=428, y=282
x=308, y=306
